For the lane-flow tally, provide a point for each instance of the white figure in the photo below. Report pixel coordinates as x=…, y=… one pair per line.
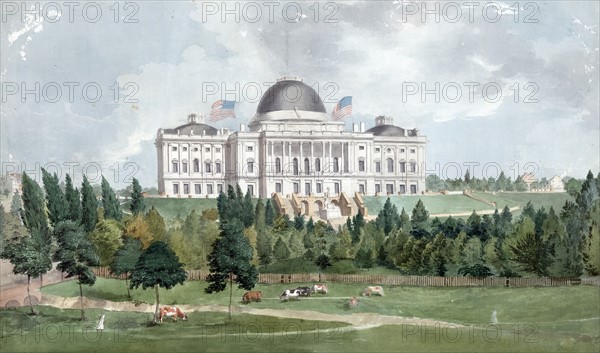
x=494, y=317
x=100, y=325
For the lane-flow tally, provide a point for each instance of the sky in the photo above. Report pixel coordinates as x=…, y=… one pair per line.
x=85, y=87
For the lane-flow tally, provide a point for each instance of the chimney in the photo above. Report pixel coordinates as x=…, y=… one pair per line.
x=362, y=127
x=354, y=127
x=242, y=128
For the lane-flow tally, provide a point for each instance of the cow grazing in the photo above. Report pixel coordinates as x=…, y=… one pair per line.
x=290, y=294
x=173, y=312
x=353, y=302
x=252, y=296
x=319, y=288
x=373, y=290
x=304, y=291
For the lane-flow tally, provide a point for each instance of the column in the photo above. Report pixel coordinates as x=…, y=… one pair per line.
x=301, y=161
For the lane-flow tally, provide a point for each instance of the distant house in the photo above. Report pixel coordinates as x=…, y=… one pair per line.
x=556, y=184
x=529, y=178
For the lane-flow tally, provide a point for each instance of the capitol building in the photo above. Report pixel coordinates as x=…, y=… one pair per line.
x=291, y=149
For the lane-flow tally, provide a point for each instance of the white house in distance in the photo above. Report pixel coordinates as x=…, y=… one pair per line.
x=556, y=184
x=290, y=148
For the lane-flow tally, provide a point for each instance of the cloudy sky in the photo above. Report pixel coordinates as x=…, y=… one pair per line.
x=165, y=56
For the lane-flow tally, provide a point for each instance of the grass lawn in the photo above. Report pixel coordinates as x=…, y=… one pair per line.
x=169, y=208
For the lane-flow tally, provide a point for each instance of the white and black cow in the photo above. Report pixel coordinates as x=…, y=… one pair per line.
x=304, y=291
x=290, y=294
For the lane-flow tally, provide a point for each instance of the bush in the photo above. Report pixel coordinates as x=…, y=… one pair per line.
x=477, y=270
x=342, y=267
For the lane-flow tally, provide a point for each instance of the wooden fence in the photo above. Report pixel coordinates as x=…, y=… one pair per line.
x=390, y=280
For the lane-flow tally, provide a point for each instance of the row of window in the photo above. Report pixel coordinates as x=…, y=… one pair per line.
x=389, y=150
x=198, y=189
x=195, y=166
x=206, y=149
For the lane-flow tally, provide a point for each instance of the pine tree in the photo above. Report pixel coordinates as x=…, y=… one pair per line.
x=222, y=204
x=15, y=205
x=281, y=250
x=158, y=266
x=107, y=238
x=252, y=237
x=259, y=216
x=263, y=247
x=33, y=212
x=341, y=249
x=531, y=250
x=474, y=225
x=138, y=205
x=299, y=222
x=592, y=250
x=570, y=249
x=89, y=206
x=248, y=210
x=231, y=255
x=420, y=221
x=73, y=200
x=310, y=226
x=269, y=213
x=76, y=255
x=112, y=209
x=137, y=228
x=502, y=182
x=364, y=257
x=55, y=199
x=125, y=259
x=156, y=225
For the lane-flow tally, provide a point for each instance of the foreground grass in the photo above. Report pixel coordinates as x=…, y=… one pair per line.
x=568, y=309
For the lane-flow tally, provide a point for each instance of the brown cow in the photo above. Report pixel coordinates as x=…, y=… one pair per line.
x=373, y=290
x=252, y=296
x=353, y=302
x=173, y=312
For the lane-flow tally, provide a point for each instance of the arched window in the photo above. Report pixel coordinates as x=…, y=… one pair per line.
x=184, y=166
x=306, y=166
x=318, y=165
x=336, y=165
x=295, y=166
x=207, y=166
x=175, y=166
x=196, y=166
x=277, y=165
x=390, y=165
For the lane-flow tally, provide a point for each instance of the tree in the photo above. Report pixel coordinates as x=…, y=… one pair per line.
x=247, y=215
x=76, y=255
x=263, y=247
x=531, y=250
x=30, y=256
x=231, y=255
x=156, y=225
x=138, y=228
x=299, y=222
x=281, y=251
x=502, y=182
x=15, y=205
x=477, y=270
x=158, y=266
x=55, y=199
x=364, y=257
x=112, y=209
x=323, y=261
x=592, y=250
x=420, y=221
x=269, y=213
x=310, y=226
x=474, y=225
x=467, y=177
x=342, y=248
x=125, y=259
x=73, y=201
x=569, y=251
x=259, y=216
x=33, y=212
x=89, y=206
x=106, y=237
x=138, y=205
x=252, y=237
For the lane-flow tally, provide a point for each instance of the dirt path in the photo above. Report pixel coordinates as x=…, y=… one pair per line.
x=359, y=320
x=466, y=214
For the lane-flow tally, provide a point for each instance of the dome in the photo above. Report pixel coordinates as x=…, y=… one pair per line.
x=193, y=129
x=290, y=94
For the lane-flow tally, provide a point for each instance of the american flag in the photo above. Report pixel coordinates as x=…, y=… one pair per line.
x=222, y=110
x=342, y=109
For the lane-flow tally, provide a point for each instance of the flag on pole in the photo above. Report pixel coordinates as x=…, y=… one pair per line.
x=342, y=109
x=222, y=109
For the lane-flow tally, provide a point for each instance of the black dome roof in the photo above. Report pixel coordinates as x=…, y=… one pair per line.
x=390, y=130
x=196, y=128
x=290, y=94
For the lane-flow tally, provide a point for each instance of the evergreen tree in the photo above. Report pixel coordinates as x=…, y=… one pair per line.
x=310, y=226
x=137, y=228
x=263, y=247
x=33, y=212
x=299, y=222
x=592, y=250
x=341, y=249
x=252, y=237
x=156, y=225
x=587, y=196
x=364, y=257
x=15, y=205
x=222, y=203
x=138, y=205
x=76, y=255
x=106, y=237
x=474, y=225
x=420, y=221
x=531, y=250
x=73, y=201
x=528, y=211
x=55, y=199
x=502, y=182
x=158, y=266
x=231, y=255
x=570, y=249
x=259, y=216
x=269, y=213
x=467, y=177
x=112, y=209
x=247, y=215
x=281, y=251
x=125, y=259
x=89, y=206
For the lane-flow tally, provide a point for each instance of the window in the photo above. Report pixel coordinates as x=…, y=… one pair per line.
x=319, y=188
x=402, y=167
x=175, y=188
x=318, y=164
x=175, y=166
x=218, y=150
x=174, y=148
x=249, y=148
x=337, y=188
x=185, y=149
x=184, y=166
x=377, y=149
x=402, y=150
x=277, y=165
x=295, y=167
x=402, y=189
x=250, y=167
x=207, y=149
x=307, y=188
x=278, y=187
x=197, y=189
x=218, y=167
x=296, y=188
x=389, y=150
x=306, y=166
x=361, y=165
x=377, y=188
x=209, y=189
x=413, y=167
x=219, y=188
x=195, y=149
x=361, y=188
x=378, y=167
x=413, y=189
x=412, y=150
x=251, y=190
x=207, y=167
x=336, y=165
x=196, y=166
x=389, y=188
x=361, y=148
x=390, y=165
x=186, y=189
